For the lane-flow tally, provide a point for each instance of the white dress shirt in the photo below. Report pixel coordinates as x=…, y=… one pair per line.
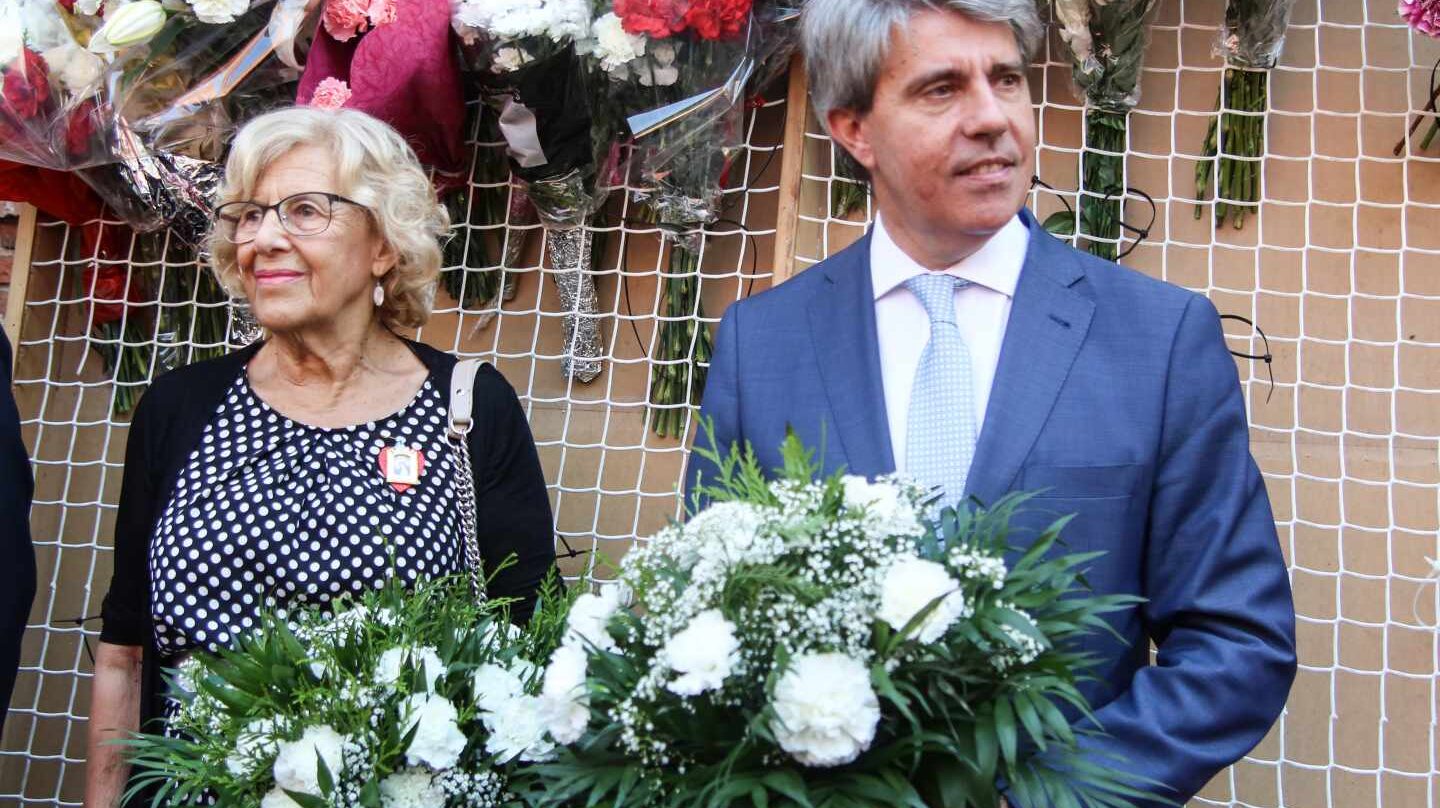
x=982, y=309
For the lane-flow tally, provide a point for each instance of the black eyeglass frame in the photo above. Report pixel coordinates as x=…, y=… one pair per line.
x=284, y=221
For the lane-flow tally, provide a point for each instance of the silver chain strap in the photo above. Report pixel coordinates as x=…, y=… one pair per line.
x=466, y=494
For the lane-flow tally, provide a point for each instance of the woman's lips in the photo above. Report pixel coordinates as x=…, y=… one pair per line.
x=276, y=277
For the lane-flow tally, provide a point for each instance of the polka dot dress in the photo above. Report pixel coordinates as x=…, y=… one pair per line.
x=272, y=513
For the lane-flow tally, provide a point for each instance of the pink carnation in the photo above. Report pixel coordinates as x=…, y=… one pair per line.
x=382, y=12
x=331, y=93
x=345, y=18
x=1422, y=15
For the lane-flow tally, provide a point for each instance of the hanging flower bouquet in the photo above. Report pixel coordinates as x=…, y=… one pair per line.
x=49, y=85
x=1250, y=40
x=679, y=70
x=1106, y=40
x=525, y=52
x=817, y=643
x=415, y=698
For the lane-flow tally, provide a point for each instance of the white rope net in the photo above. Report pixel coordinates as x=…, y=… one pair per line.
x=1340, y=268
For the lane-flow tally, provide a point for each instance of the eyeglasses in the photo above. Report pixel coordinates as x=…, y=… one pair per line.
x=303, y=214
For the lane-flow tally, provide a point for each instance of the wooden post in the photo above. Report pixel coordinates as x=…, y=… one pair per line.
x=19, y=278
x=792, y=164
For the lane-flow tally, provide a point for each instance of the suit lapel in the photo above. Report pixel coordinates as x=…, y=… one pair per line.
x=1048, y=323
x=842, y=328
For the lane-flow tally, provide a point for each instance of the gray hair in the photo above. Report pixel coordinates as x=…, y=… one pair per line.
x=846, y=42
x=375, y=167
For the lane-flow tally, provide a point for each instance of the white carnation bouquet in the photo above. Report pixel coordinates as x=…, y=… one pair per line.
x=821, y=643
x=419, y=698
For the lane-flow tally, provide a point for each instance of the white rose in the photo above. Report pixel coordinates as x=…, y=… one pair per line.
x=296, y=767
x=411, y=789
x=703, y=653
x=493, y=686
x=563, y=697
x=911, y=584
x=438, y=740
x=825, y=710
x=517, y=730
x=394, y=661
x=254, y=743
x=589, y=617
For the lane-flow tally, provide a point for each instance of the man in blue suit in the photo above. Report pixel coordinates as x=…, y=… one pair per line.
x=960, y=344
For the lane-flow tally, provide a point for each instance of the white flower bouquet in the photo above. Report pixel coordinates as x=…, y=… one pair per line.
x=418, y=698
x=804, y=642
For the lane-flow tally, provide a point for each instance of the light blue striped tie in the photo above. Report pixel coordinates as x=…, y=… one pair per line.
x=940, y=434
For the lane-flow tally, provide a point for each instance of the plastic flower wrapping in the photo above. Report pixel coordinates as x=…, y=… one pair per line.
x=560, y=139
x=680, y=73
x=414, y=698
x=823, y=642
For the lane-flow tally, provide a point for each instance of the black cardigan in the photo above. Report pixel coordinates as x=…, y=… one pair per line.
x=17, y=555
x=512, y=507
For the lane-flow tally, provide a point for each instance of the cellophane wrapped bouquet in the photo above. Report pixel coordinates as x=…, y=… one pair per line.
x=413, y=696
x=679, y=71
x=525, y=56
x=805, y=641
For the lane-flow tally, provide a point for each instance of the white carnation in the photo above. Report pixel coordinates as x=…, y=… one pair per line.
x=438, y=740
x=613, y=45
x=393, y=662
x=704, y=653
x=296, y=765
x=910, y=585
x=276, y=798
x=656, y=76
x=887, y=511
x=493, y=686
x=517, y=730
x=563, y=698
x=509, y=59
x=558, y=20
x=825, y=710
x=254, y=744
x=411, y=789
x=218, y=12
x=589, y=617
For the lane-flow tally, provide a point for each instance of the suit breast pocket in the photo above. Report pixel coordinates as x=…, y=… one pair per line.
x=1081, y=482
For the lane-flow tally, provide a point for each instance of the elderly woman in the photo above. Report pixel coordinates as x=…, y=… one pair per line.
x=307, y=466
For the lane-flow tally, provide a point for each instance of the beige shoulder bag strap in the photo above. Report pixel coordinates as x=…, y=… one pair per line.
x=462, y=409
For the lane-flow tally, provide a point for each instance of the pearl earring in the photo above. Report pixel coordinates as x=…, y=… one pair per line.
x=379, y=296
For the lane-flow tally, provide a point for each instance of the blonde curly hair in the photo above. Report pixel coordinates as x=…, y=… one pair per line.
x=373, y=166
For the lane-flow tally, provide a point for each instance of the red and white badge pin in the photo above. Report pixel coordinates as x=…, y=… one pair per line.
x=402, y=466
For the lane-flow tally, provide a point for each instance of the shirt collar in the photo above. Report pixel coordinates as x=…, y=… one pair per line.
x=996, y=265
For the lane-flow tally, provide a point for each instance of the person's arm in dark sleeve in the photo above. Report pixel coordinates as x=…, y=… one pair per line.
x=17, y=554
x=719, y=408
x=1218, y=606
x=513, y=516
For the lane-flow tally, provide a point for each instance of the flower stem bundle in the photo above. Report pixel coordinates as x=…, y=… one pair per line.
x=1234, y=148
x=683, y=346
x=1102, y=182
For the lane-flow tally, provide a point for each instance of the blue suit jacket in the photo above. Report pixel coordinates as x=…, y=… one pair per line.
x=1116, y=394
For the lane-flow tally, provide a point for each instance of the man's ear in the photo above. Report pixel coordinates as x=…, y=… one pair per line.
x=847, y=127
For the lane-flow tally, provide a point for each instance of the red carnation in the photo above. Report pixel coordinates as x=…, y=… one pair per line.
x=27, y=85
x=79, y=129
x=654, y=18
x=717, y=19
